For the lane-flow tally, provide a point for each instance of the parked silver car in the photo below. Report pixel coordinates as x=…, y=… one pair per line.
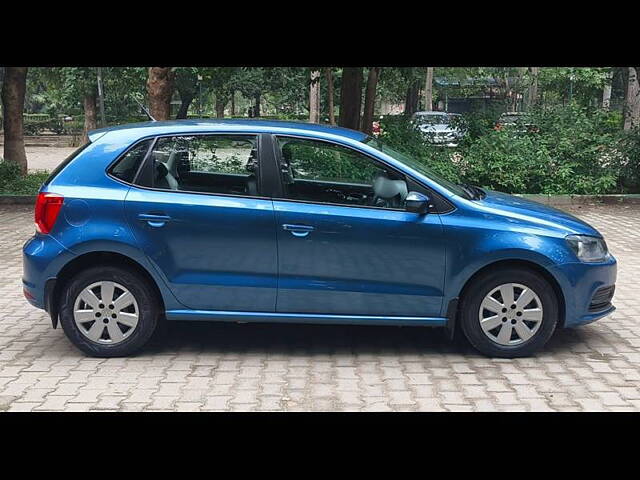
x=440, y=128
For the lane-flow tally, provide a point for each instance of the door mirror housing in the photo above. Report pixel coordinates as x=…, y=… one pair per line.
x=417, y=202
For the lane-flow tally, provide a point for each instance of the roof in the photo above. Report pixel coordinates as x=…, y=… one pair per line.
x=240, y=125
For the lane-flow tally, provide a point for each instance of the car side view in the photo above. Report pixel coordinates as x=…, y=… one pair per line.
x=269, y=221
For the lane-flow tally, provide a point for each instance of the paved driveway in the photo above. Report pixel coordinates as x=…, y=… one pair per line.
x=204, y=366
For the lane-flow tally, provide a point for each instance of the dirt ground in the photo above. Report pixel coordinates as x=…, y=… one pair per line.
x=46, y=158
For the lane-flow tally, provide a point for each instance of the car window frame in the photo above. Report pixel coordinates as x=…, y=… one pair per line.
x=146, y=167
x=412, y=183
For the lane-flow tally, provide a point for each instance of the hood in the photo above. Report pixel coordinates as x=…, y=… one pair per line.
x=536, y=213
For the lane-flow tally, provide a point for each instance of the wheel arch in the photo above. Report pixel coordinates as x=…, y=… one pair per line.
x=54, y=287
x=519, y=263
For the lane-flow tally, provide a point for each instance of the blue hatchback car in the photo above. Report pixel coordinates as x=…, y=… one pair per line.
x=266, y=221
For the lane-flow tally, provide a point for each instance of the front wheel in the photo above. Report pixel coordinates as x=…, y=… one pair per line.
x=109, y=311
x=509, y=313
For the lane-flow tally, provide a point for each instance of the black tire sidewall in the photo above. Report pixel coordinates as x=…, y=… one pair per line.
x=139, y=288
x=482, y=286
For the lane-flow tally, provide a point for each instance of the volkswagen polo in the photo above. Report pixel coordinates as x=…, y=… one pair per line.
x=267, y=221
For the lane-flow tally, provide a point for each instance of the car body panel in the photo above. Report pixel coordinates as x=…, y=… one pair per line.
x=362, y=261
x=215, y=250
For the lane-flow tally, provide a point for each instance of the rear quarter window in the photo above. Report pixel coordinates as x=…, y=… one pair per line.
x=127, y=165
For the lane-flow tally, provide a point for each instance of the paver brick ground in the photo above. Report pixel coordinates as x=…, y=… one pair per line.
x=258, y=367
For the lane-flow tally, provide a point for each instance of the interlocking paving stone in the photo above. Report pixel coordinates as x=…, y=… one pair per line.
x=228, y=367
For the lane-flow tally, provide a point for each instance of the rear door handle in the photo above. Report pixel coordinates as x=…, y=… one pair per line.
x=298, y=230
x=154, y=220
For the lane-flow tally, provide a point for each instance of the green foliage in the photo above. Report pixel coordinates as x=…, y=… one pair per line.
x=12, y=182
x=577, y=150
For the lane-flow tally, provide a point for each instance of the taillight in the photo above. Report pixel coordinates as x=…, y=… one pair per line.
x=47, y=208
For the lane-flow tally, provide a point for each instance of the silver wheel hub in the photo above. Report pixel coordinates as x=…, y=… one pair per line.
x=510, y=314
x=106, y=312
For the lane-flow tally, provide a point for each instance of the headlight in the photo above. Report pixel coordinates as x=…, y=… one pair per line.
x=588, y=249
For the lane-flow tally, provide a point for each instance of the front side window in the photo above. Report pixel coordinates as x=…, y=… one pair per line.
x=224, y=164
x=324, y=172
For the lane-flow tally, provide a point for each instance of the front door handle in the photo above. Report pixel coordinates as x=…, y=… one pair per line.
x=154, y=220
x=298, y=230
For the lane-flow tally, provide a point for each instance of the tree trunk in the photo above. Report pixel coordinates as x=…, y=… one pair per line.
x=314, y=97
x=90, y=115
x=233, y=103
x=332, y=116
x=532, y=97
x=428, y=90
x=606, y=92
x=185, y=102
x=350, y=97
x=411, y=100
x=160, y=89
x=221, y=102
x=256, y=112
x=631, y=99
x=13, y=90
x=369, y=100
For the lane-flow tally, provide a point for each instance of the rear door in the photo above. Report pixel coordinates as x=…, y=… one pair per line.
x=200, y=217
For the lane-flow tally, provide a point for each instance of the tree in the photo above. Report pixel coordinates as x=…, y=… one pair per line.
x=160, y=88
x=13, y=91
x=314, y=97
x=532, y=97
x=428, y=90
x=631, y=112
x=350, y=97
x=186, y=81
x=606, y=91
x=329, y=74
x=411, y=99
x=369, y=100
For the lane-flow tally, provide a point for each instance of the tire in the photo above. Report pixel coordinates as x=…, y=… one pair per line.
x=539, y=316
x=136, y=317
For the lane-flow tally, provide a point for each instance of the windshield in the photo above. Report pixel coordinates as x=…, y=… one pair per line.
x=433, y=119
x=418, y=166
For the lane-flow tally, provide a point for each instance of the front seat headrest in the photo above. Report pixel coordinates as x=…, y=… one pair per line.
x=386, y=188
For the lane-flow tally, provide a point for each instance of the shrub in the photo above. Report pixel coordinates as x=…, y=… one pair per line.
x=572, y=150
x=13, y=182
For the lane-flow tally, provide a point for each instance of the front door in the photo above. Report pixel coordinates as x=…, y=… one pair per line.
x=345, y=243
x=204, y=225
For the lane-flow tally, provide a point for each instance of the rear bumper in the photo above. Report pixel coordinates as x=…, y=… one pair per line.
x=42, y=258
x=582, y=286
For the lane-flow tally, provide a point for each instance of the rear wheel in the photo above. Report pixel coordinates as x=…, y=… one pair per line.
x=509, y=313
x=109, y=311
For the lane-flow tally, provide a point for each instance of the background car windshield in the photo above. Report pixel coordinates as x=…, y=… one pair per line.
x=418, y=166
x=433, y=119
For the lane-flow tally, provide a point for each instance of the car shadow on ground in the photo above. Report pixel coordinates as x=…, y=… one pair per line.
x=304, y=339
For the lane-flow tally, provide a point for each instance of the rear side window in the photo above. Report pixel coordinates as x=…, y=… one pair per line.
x=217, y=164
x=126, y=168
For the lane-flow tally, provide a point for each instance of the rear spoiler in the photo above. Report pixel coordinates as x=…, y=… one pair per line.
x=96, y=134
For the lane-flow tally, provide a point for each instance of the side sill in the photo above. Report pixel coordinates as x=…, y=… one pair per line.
x=228, y=316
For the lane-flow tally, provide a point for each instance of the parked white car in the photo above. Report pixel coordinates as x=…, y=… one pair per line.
x=439, y=128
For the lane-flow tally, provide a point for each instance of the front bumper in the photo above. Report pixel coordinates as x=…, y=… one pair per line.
x=587, y=290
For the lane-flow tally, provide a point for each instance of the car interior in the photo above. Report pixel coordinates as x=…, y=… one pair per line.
x=385, y=189
x=177, y=172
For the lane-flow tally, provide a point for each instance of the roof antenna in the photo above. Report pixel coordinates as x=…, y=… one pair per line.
x=145, y=110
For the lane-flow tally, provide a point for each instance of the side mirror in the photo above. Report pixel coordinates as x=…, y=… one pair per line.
x=417, y=202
